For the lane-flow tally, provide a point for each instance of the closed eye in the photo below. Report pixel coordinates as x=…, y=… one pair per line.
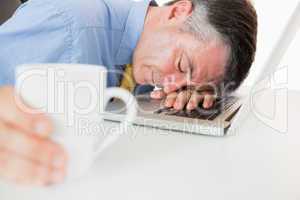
x=186, y=66
x=179, y=66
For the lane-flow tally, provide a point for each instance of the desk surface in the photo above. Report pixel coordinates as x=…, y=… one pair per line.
x=257, y=163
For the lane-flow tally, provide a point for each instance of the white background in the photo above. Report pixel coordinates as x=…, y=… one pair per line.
x=273, y=16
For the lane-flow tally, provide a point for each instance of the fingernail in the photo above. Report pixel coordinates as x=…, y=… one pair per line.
x=57, y=176
x=58, y=161
x=167, y=89
x=175, y=105
x=207, y=105
x=190, y=106
x=168, y=104
x=39, y=183
x=42, y=172
x=178, y=106
x=40, y=127
x=155, y=95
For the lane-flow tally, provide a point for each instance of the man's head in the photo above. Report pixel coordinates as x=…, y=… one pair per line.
x=194, y=42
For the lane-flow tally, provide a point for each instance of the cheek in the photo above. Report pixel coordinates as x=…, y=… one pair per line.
x=176, y=79
x=166, y=62
x=158, y=57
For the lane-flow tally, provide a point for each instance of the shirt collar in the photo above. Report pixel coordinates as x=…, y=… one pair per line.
x=133, y=29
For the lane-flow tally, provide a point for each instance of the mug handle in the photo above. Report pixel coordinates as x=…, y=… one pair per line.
x=131, y=106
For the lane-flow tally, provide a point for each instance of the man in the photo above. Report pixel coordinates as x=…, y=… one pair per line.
x=184, y=43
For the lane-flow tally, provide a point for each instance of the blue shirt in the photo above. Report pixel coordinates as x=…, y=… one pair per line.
x=100, y=32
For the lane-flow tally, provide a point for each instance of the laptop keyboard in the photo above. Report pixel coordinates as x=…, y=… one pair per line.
x=221, y=105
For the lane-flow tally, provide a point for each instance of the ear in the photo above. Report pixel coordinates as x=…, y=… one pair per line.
x=180, y=11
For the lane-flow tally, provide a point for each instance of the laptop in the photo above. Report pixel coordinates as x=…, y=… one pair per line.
x=223, y=118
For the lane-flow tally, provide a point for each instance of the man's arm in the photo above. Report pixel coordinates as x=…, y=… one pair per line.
x=36, y=33
x=27, y=156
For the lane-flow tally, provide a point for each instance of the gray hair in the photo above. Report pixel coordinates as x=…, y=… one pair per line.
x=198, y=24
x=234, y=24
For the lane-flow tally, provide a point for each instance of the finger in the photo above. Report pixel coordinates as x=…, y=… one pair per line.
x=17, y=114
x=173, y=86
x=182, y=99
x=32, y=147
x=28, y=120
x=158, y=94
x=38, y=124
x=22, y=171
x=170, y=88
x=208, y=101
x=170, y=100
x=195, y=99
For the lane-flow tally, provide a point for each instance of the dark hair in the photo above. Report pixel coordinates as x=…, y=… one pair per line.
x=236, y=21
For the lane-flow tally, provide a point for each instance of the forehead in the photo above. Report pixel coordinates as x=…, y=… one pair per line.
x=208, y=59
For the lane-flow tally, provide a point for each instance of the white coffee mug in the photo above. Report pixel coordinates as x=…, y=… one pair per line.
x=74, y=96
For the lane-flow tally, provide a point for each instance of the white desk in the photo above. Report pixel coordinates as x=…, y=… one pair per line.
x=258, y=163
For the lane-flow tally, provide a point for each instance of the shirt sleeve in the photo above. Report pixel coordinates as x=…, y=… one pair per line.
x=36, y=33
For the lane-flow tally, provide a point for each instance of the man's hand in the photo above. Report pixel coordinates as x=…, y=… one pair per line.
x=27, y=156
x=189, y=98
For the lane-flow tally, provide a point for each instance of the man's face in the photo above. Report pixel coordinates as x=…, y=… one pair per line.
x=173, y=59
